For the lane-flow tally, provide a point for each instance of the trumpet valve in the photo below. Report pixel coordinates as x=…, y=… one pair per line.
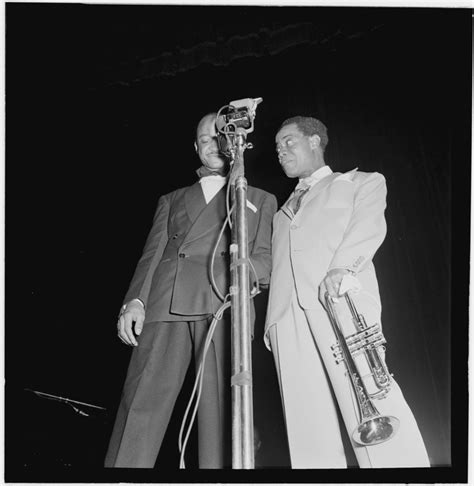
x=337, y=353
x=370, y=337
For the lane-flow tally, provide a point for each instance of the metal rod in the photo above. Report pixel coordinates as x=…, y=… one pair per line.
x=61, y=399
x=242, y=403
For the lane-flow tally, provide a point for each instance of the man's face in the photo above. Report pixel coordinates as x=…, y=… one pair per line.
x=296, y=151
x=206, y=144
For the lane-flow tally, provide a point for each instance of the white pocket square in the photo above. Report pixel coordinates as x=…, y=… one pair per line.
x=251, y=206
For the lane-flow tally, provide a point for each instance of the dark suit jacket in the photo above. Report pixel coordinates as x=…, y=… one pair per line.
x=172, y=276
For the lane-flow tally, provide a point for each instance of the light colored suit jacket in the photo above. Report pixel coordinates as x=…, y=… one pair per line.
x=172, y=276
x=340, y=224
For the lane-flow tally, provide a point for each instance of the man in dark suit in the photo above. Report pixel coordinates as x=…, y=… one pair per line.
x=169, y=306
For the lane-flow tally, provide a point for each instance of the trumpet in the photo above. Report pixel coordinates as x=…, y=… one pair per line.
x=373, y=428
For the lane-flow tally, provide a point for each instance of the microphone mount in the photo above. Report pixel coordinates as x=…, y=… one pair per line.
x=233, y=123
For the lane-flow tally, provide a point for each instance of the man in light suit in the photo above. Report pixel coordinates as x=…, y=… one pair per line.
x=169, y=306
x=325, y=237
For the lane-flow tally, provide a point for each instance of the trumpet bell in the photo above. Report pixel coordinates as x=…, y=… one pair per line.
x=376, y=430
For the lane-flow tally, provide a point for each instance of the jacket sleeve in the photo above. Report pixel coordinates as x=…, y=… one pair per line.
x=152, y=253
x=260, y=255
x=367, y=227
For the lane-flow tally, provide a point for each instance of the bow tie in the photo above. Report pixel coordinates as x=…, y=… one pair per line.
x=204, y=171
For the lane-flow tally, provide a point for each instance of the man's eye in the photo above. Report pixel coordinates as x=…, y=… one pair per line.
x=289, y=143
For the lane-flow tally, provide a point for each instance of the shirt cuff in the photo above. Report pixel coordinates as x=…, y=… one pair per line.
x=137, y=300
x=124, y=306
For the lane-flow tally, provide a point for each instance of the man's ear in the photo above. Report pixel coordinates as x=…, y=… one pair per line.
x=314, y=141
x=195, y=147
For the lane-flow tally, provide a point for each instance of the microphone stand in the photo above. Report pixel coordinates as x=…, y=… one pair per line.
x=68, y=401
x=241, y=377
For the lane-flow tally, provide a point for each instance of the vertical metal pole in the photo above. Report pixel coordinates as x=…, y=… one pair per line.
x=242, y=400
x=235, y=344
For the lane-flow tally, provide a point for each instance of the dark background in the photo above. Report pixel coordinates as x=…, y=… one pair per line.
x=101, y=108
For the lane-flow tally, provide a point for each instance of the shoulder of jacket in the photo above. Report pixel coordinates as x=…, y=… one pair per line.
x=260, y=192
x=177, y=192
x=363, y=176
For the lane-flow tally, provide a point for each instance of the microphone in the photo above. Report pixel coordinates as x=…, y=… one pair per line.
x=239, y=116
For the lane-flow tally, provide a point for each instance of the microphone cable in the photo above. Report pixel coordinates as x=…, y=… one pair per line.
x=198, y=384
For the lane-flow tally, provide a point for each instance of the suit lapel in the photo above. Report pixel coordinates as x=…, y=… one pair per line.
x=204, y=216
x=194, y=201
x=318, y=188
x=312, y=193
x=323, y=184
x=286, y=209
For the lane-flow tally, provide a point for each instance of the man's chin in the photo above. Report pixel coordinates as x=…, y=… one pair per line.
x=290, y=174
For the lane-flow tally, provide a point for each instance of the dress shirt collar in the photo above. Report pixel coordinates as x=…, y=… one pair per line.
x=315, y=177
x=211, y=185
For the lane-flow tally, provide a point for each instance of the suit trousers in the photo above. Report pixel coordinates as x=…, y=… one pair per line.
x=313, y=386
x=154, y=379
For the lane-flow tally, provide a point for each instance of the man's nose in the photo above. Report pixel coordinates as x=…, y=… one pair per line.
x=281, y=153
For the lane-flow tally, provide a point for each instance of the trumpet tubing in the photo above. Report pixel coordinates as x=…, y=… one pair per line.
x=364, y=344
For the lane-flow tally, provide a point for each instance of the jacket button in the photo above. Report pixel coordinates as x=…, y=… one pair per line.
x=175, y=236
x=182, y=255
x=223, y=253
x=293, y=226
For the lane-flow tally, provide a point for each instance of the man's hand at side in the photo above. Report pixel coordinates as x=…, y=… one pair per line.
x=331, y=283
x=130, y=322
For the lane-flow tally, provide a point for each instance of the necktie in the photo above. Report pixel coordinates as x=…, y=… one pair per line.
x=295, y=202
